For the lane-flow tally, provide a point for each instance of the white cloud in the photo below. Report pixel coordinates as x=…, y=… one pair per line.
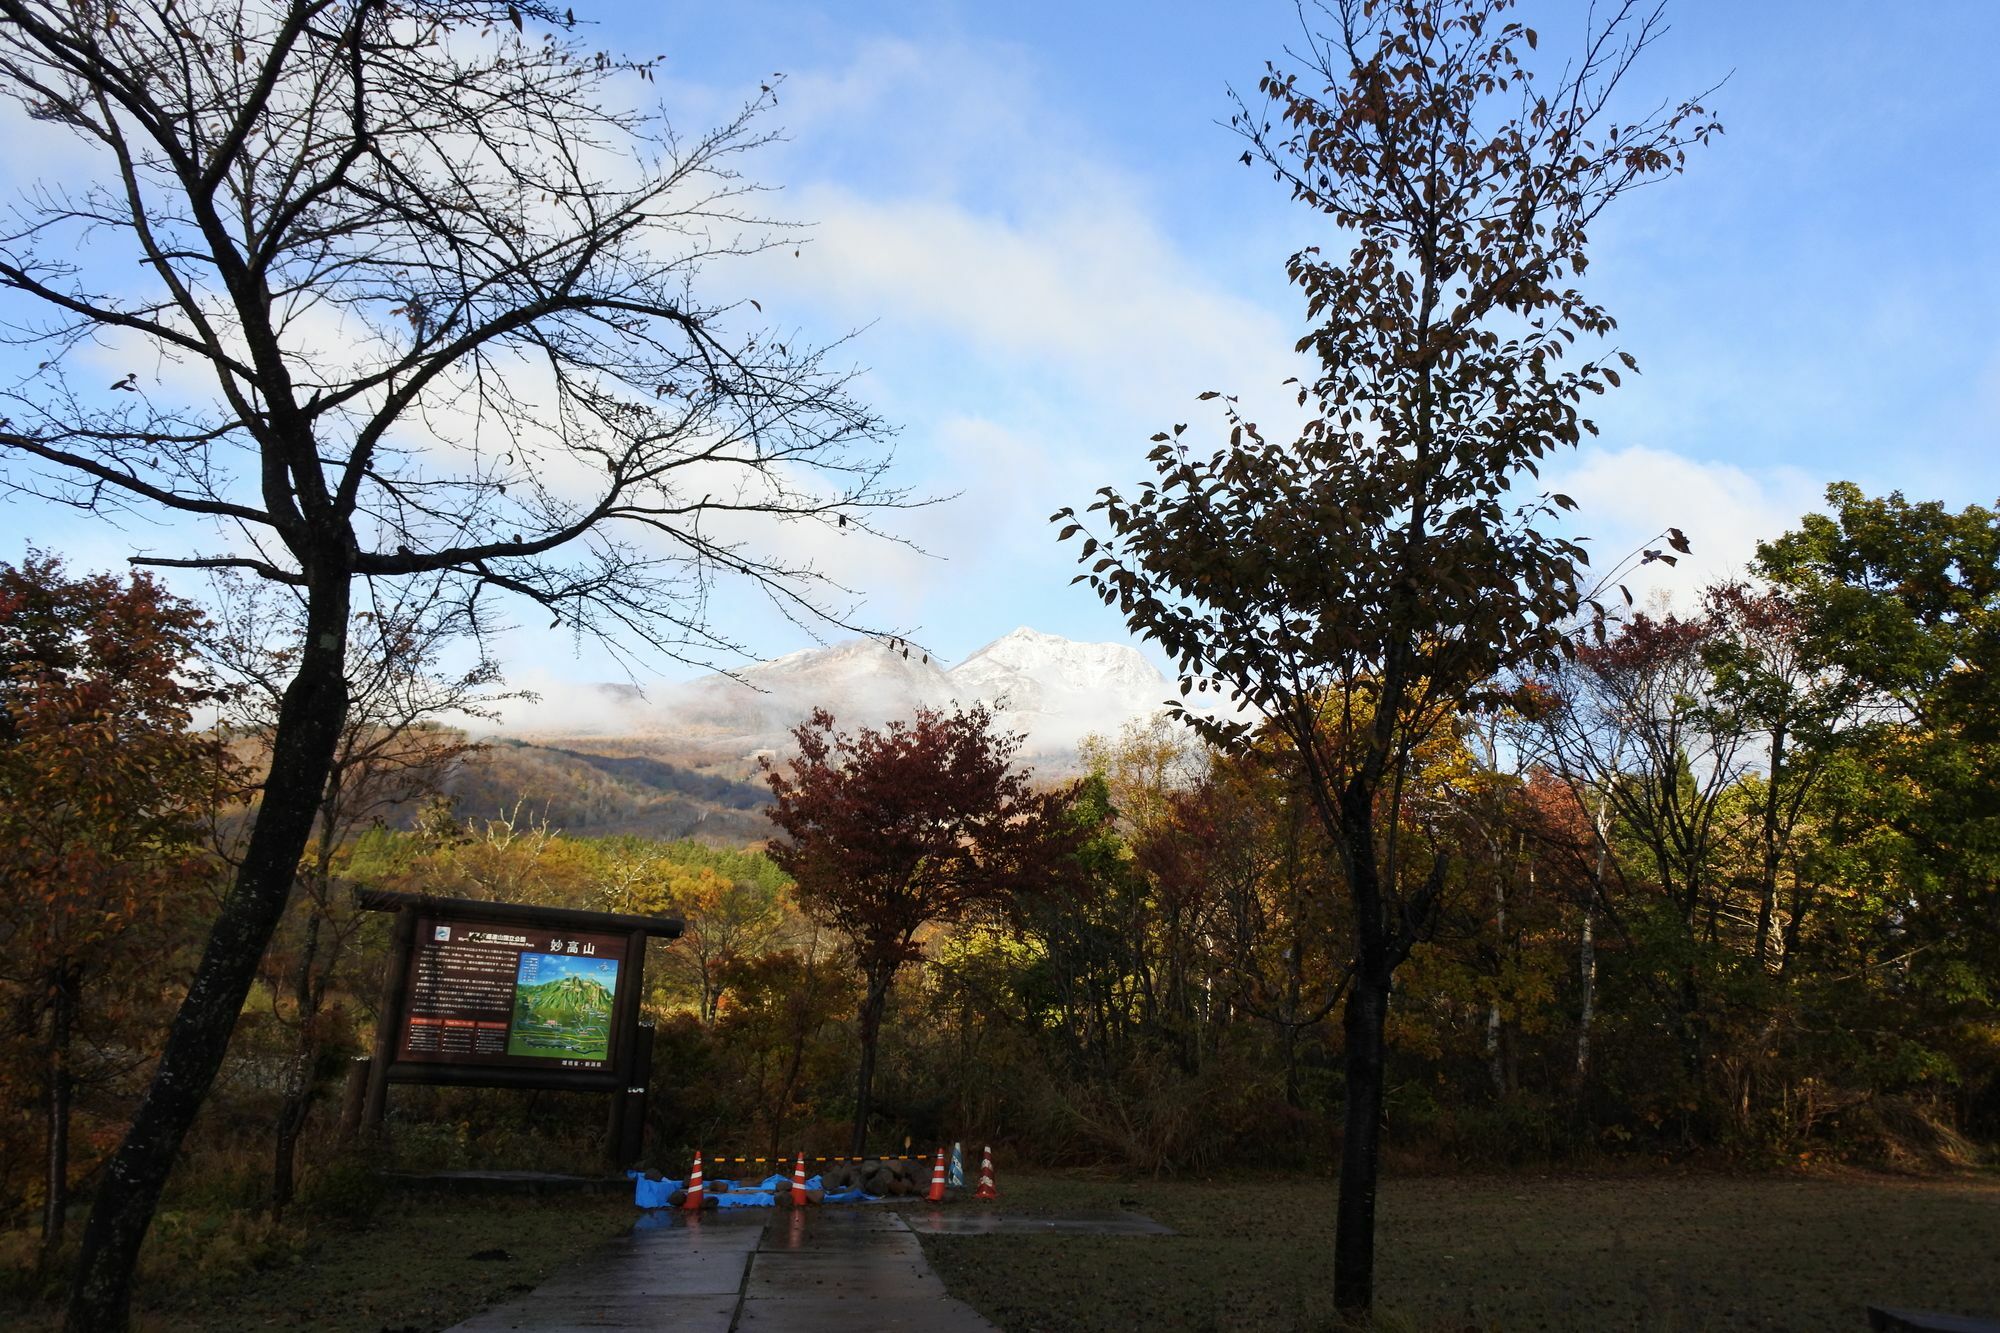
x=954, y=210
x=1627, y=496
x=1092, y=293
x=560, y=706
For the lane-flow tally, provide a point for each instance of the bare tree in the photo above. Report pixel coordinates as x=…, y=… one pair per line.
x=396, y=748
x=408, y=290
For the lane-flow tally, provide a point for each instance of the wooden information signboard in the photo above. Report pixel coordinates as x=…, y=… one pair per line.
x=510, y=995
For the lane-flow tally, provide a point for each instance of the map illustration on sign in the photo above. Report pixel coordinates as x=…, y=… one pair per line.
x=563, y=1007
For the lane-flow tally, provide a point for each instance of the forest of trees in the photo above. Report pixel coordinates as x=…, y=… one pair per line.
x=1725, y=885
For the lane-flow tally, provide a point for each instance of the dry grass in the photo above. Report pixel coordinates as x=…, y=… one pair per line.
x=410, y=1268
x=1499, y=1252
x=1698, y=1252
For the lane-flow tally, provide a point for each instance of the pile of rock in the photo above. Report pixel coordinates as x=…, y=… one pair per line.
x=874, y=1176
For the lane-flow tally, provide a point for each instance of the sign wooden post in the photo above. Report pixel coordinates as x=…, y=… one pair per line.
x=375, y=1102
x=624, y=1136
x=353, y=1093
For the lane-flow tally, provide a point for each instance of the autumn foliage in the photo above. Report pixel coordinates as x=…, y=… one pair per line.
x=105, y=788
x=916, y=825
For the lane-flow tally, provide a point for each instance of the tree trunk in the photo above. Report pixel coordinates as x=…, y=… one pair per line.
x=1360, y=1145
x=1496, y=1065
x=65, y=979
x=297, y=1099
x=872, y=1005
x=1802, y=896
x=1290, y=1046
x=291, y=1121
x=1365, y=1017
x=1690, y=1022
x=779, y=1103
x=1586, y=966
x=1773, y=847
x=708, y=989
x=302, y=749
x=1586, y=960
x=801, y=1003
x=1295, y=989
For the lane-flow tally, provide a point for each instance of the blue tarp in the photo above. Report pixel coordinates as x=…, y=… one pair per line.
x=651, y=1193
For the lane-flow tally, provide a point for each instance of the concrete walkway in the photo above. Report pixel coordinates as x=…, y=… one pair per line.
x=848, y=1268
x=821, y=1268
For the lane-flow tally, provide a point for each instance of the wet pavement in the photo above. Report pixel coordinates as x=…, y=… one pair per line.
x=687, y=1276
x=937, y=1222
x=848, y=1268
x=833, y=1268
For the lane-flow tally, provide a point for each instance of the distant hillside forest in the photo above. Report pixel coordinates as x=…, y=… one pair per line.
x=603, y=792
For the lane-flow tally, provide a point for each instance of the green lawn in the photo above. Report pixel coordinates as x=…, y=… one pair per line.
x=1498, y=1252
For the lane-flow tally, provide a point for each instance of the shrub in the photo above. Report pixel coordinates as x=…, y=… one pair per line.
x=346, y=1188
x=191, y=1248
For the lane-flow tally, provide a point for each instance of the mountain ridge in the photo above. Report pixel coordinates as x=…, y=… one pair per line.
x=682, y=760
x=1054, y=689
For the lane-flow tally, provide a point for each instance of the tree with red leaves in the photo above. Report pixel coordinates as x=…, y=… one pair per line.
x=104, y=790
x=916, y=825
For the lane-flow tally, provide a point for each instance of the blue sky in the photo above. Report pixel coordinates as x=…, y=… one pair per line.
x=537, y=968
x=1032, y=214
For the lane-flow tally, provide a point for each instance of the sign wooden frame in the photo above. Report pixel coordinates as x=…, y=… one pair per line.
x=625, y=1070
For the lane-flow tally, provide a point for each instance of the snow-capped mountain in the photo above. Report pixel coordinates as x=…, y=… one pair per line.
x=867, y=675
x=1058, y=690
x=1055, y=690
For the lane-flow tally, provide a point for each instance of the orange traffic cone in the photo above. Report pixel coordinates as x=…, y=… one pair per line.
x=799, y=1181
x=937, y=1179
x=693, y=1203
x=986, y=1190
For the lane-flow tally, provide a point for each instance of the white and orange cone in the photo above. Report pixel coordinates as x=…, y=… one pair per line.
x=937, y=1179
x=693, y=1203
x=799, y=1181
x=986, y=1190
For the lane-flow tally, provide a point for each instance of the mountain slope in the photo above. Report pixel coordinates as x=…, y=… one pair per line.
x=1057, y=690
x=681, y=760
x=1054, y=689
x=598, y=786
x=565, y=1000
